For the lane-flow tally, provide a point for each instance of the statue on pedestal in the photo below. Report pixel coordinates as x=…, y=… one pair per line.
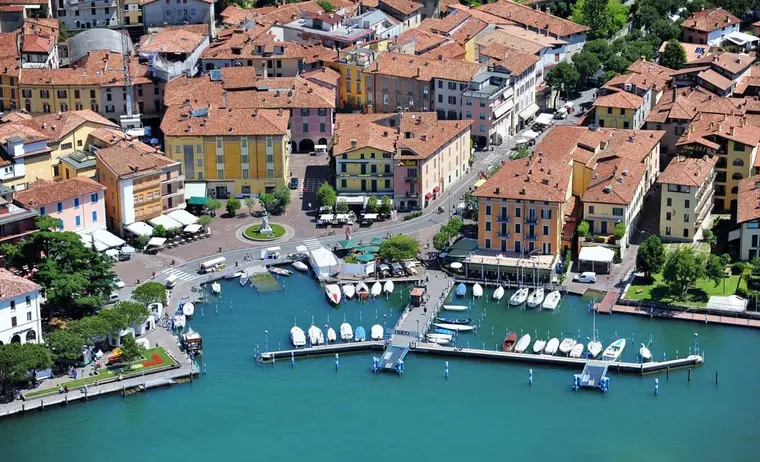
x=265, y=228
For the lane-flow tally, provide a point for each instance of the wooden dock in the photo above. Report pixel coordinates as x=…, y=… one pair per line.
x=704, y=318
x=321, y=350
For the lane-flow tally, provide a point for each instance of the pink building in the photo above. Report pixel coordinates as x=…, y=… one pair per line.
x=79, y=202
x=312, y=126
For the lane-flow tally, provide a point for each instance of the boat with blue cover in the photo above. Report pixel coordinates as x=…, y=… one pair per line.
x=460, y=321
x=438, y=330
x=360, y=335
x=461, y=290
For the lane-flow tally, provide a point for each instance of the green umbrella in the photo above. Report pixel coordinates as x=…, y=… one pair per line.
x=368, y=248
x=365, y=257
x=347, y=244
x=376, y=241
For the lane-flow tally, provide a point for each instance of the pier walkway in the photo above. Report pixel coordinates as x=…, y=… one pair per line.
x=702, y=317
x=415, y=321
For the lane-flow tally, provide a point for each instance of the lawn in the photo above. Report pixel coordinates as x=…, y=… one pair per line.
x=160, y=360
x=657, y=291
x=252, y=232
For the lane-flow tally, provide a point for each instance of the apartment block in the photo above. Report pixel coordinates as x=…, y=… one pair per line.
x=686, y=197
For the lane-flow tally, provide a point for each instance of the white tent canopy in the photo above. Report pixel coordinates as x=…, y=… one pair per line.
x=140, y=228
x=352, y=200
x=192, y=229
x=113, y=253
x=166, y=221
x=183, y=216
x=108, y=239
x=156, y=241
x=529, y=134
x=544, y=119
x=323, y=262
x=597, y=254
x=89, y=241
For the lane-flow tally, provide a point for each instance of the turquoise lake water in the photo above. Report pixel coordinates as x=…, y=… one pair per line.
x=241, y=410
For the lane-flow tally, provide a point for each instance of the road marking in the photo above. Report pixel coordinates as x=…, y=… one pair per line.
x=181, y=275
x=312, y=244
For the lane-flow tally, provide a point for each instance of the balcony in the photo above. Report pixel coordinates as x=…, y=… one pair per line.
x=531, y=219
x=531, y=237
x=504, y=235
x=504, y=219
x=174, y=179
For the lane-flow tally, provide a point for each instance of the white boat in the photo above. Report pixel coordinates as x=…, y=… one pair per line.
x=331, y=337
x=519, y=297
x=376, y=289
x=179, y=321
x=577, y=351
x=539, y=346
x=551, y=346
x=567, y=345
x=440, y=339
x=362, y=289
x=297, y=337
x=349, y=291
x=614, y=350
x=388, y=287
x=498, y=293
x=455, y=327
x=333, y=293
x=188, y=309
x=552, y=300
x=376, y=333
x=216, y=288
x=243, y=279
x=316, y=337
x=234, y=275
x=346, y=332
x=300, y=266
x=477, y=290
x=522, y=344
x=536, y=298
x=594, y=346
x=455, y=308
x=644, y=352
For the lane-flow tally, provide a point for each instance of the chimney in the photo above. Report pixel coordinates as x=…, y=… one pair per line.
x=418, y=72
x=224, y=98
x=353, y=144
x=732, y=130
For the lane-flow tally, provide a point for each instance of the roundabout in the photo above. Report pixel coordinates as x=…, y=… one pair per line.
x=252, y=232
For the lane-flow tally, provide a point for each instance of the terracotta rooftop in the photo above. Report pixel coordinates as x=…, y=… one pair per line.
x=715, y=79
x=101, y=68
x=640, y=81
x=245, y=44
x=468, y=30
x=519, y=39
x=451, y=50
x=178, y=121
x=179, y=41
x=537, y=19
x=43, y=192
x=479, y=14
x=535, y=178
x=706, y=127
x=423, y=40
x=234, y=15
x=691, y=171
x=12, y=286
x=323, y=74
x=447, y=24
x=514, y=61
x=732, y=63
x=693, y=51
x=10, y=58
x=710, y=20
x=748, y=200
x=129, y=158
x=57, y=126
x=405, y=7
x=686, y=103
x=620, y=99
x=614, y=182
x=16, y=129
x=415, y=67
x=750, y=79
x=14, y=116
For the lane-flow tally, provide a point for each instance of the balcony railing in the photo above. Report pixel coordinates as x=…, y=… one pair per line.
x=531, y=219
x=531, y=237
x=174, y=179
x=504, y=235
x=504, y=219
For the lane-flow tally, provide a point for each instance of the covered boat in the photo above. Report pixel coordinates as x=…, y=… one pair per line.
x=346, y=332
x=388, y=287
x=179, y=321
x=280, y=271
x=440, y=339
x=360, y=335
x=316, y=337
x=362, y=291
x=645, y=354
x=331, y=336
x=349, y=291
x=498, y=293
x=376, y=332
x=297, y=337
x=438, y=330
x=300, y=266
x=188, y=309
x=536, y=298
x=333, y=293
x=509, y=342
x=614, y=350
x=519, y=297
x=377, y=288
x=462, y=321
x=455, y=307
x=551, y=346
x=552, y=300
x=594, y=348
x=567, y=344
x=477, y=290
x=461, y=290
x=234, y=275
x=192, y=341
x=216, y=288
x=454, y=327
x=539, y=346
x=577, y=351
x=522, y=344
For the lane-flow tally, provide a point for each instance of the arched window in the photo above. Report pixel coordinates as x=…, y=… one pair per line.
x=738, y=162
x=737, y=176
x=31, y=336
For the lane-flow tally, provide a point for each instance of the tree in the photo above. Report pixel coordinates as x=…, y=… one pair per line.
x=159, y=231
x=282, y=196
x=342, y=207
x=129, y=349
x=440, y=241
x=372, y=204
x=63, y=34
x=249, y=203
x=583, y=228
x=600, y=48
x=267, y=201
x=674, y=56
x=471, y=205
x=141, y=241
x=325, y=5
x=587, y=64
x=682, y=269
x=65, y=344
x=48, y=223
x=17, y=359
x=204, y=220
x=619, y=231
x=150, y=292
x=385, y=206
x=326, y=195
x=233, y=205
x=607, y=76
x=92, y=328
x=132, y=314
x=454, y=226
x=521, y=152
x=646, y=15
x=714, y=270
x=604, y=17
x=665, y=30
x=399, y=247
x=650, y=256
x=563, y=78
x=212, y=205
x=617, y=64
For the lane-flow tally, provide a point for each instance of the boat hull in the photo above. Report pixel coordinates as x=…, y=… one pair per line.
x=522, y=344
x=519, y=297
x=454, y=327
x=455, y=308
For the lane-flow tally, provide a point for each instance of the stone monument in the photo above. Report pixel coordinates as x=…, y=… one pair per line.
x=265, y=228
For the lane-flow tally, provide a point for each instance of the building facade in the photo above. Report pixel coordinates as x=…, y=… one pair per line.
x=19, y=310
x=686, y=197
x=78, y=202
x=709, y=27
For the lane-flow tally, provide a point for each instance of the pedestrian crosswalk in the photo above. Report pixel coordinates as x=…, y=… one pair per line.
x=180, y=275
x=312, y=244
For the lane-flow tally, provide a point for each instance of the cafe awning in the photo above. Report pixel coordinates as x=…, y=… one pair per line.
x=197, y=201
x=140, y=228
x=192, y=229
x=347, y=244
x=183, y=216
x=429, y=196
x=368, y=248
x=365, y=257
x=480, y=183
x=529, y=111
x=376, y=241
x=156, y=241
x=108, y=239
x=544, y=119
x=166, y=221
x=436, y=189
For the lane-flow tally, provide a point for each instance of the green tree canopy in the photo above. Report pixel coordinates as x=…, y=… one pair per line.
x=714, y=269
x=619, y=230
x=583, y=228
x=599, y=47
x=159, y=231
x=674, y=56
x=399, y=247
x=150, y=292
x=616, y=64
x=682, y=269
x=385, y=205
x=342, y=207
x=233, y=205
x=326, y=195
x=17, y=359
x=326, y=6
x=603, y=17
x=440, y=240
x=131, y=313
x=587, y=64
x=372, y=204
x=48, y=223
x=129, y=349
x=282, y=196
x=65, y=344
x=665, y=30
x=267, y=201
x=204, y=220
x=650, y=256
x=563, y=78
x=249, y=204
x=213, y=205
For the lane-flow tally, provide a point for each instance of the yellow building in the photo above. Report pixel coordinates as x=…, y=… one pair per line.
x=235, y=151
x=686, y=198
x=620, y=110
x=351, y=64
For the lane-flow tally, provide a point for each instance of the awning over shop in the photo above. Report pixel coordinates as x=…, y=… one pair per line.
x=197, y=201
x=166, y=221
x=480, y=183
x=544, y=119
x=429, y=196
x=352, y=200
x=183, y=216
x=156, y=241
x=140, y=228
x=530, y=134
x=94, y=243
x=597, y=254
x=108, y=239
x=529, y=111
x=368, y=248
x=192, y=229
x=436, y=189
x=347, y=244
x=113, y=253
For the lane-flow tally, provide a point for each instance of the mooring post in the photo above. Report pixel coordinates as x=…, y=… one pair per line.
x=337, y=362
x=446, y=370
x=689, y=376
x=656, y=387
x=530, y=376
x=716, y=377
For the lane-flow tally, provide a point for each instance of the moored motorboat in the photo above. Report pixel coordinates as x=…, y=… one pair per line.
x=644, y=352
x=594, y=347
x=536, y=298
x=333, y=293
x=234, y=275
x=477, y=290
x=498, y=293
x=192, y=341
x=438, y=330
x=463, y=321
x=539, y=346
x=388, y=287
x=362, y=291
x=552, y=300
x=360, y=335
x=522, y=344
x=179, y=321
x=509, y=342
x=454, y=327
x=567, y=344
x=188, y=309
x=551, y=346
x=280, y=271
x=331, y=337
x=300, y=266
x=346, y=332
x=316, y=337
x=349, y=291
x=376, y=332
x=376, y=289
x=440, y=339
x=614, y=350
x=461, y=290
x=297, y=337
x=577, y=351
x=243, y=279
x=455, y=307
x=519, y=297
x=216, y=288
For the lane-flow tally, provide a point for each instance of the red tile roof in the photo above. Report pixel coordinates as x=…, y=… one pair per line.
x=615, y=182
x=689, y=171
x=536, y=178
x=527, y=16
x=715, y=79
x=57, y=126
x=620, y=99
x=132, y=158
x=710, y=20
x=748, y=200
x=44, y=192
x=514, y=61
x=706, y=127
x=416, y=67
x=405, y=7
x=173, y=40
x=101, y=68
x=325, y=75
x=11, y=286
x=178, y=121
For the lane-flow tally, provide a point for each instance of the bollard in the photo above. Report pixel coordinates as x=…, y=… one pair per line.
x=530, y=376
x=292, y=358
x=401, y=367
x=42, y=405
x=689, y=376
x=446, y=370
x=374, y=364
x=337, y=362
x=716, y=377
x=656, y=387
x=667, y=373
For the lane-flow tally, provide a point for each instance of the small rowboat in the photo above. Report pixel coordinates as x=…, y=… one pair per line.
x=346, y=332
x=522, y=344
x=461, y=290
x=498, y=293
x=440, y=339
x=300, y=266
x=362, y=291
x=376, y=289
x=349, y=291
x=577, y=351
x=376, y=333
x=477, y=290
x=614, y=350
x=509, y=342
x=333, y=293
x=216, y=288
x=539, y=346
x=331, y=337
x=280, y=271
x=463, y=321
x=567, y=345
x=645, y=354
x=388, y=287
x=551, y=346
x=360, y=335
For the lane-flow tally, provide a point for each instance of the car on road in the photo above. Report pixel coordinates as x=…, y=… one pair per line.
x=118, y=283
x=587, y=276
x=293, y=184
x=113, y=298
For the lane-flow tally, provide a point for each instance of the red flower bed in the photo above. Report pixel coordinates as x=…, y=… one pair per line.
x=155, y=362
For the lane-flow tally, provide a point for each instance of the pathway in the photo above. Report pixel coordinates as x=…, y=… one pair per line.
x=688, y=316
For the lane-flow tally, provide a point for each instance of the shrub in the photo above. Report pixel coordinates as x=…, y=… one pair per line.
x=619, y=231
x=583, y=229
x=737, y=267
x=414, y=214
x=601, y=239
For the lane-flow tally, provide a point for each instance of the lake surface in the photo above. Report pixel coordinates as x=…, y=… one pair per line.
x=241, y=410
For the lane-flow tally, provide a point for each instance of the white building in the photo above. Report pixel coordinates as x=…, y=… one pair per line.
x=19, y=310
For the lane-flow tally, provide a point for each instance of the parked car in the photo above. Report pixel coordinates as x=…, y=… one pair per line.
x=293, y=184
x=398, y=270
x=113, y=298
x=587, y=276
x=118, y=283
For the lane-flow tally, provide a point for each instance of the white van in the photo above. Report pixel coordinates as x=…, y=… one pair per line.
x=170, y=281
